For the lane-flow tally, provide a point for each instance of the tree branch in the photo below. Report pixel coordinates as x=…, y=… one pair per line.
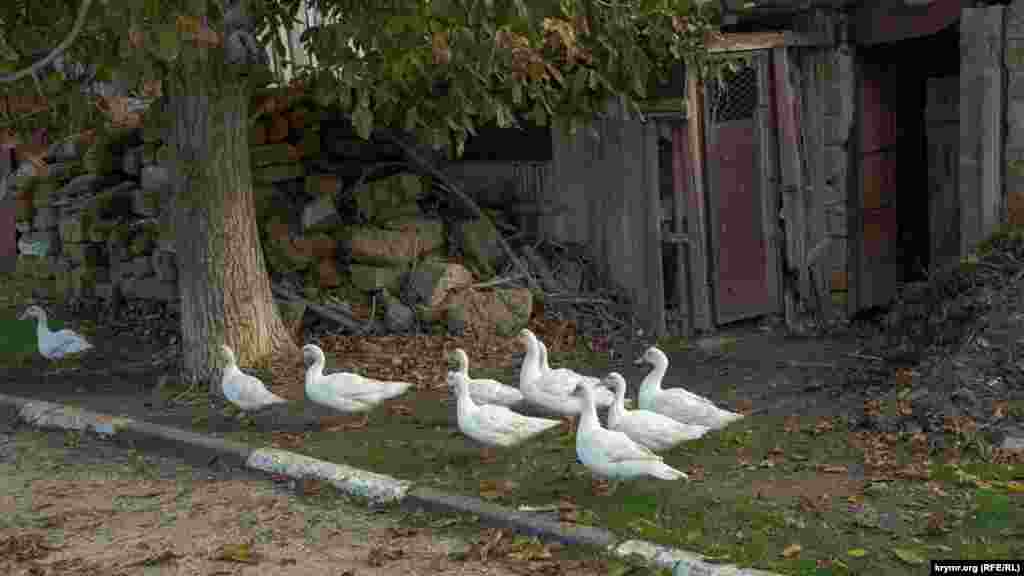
x=83, y=11
x=432, y=170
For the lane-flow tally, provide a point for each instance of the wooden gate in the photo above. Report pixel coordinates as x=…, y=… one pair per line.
x=744, y=263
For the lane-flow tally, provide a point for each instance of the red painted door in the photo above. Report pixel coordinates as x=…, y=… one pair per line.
x=743, y=261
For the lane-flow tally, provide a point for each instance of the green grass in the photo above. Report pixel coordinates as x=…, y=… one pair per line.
x=748, y=508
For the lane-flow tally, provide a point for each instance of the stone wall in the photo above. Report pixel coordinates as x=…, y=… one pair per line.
x=96, y=222
x=89, y=224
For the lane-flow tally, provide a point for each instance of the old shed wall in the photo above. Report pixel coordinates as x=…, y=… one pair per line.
x=605, y=179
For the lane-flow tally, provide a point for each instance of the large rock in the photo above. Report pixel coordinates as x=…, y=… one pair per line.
x=480, y=244
x=400, y=246
x=431, y=281
x=369, y=278
x=502, y=311
x=397, y=316
x=155, y=177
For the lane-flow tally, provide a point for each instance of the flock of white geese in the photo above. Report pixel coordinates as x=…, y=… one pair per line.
x=627, y=448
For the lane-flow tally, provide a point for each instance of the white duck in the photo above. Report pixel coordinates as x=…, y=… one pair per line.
x=54, y=345
x=649, y=429
x=548, y=391
x=345, y=391
x=677, y=403
x=612, y=454
x=490, y=424
x=244, y=391
x=486, y=390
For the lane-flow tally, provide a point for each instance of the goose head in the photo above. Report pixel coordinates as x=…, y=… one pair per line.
x=653, y=356
x=312, y=355
x=616, y=382
x=33, y=311
x=461, y=360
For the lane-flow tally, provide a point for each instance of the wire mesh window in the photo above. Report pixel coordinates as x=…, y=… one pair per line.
x=735, y=98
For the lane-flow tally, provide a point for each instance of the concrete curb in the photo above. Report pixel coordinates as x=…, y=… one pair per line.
x=369, y=486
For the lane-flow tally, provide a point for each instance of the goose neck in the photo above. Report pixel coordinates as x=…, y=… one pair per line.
x=588, y=414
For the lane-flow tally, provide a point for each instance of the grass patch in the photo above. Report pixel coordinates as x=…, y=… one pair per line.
x=760, y=489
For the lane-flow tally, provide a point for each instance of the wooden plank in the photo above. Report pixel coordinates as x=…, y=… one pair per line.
x=981, y=125
x=682, y=173
x=696, y=206
x=747, y=41
x=814, y=151
x=769, y=148
x=652, y=201
x=791, y=176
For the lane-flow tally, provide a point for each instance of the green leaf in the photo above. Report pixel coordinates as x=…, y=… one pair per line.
x=362, y=120
x=579, y=82
x=539, y=115
x=168, y=45
x=857, y=552
x=517, y=93
x=503, y=116
x=908, y=556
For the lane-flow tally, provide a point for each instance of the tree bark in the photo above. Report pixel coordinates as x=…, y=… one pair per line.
x=224, y=287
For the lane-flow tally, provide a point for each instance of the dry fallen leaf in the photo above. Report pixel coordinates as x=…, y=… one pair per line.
x=240, y=553
x=791, y=424
x=834, y=469
x=495, y=489
x=936, y=523
x=824, y=425
x=399, y=410
x=857, y=552
x=792, y=550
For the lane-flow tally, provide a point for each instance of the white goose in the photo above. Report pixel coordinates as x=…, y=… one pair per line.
x=345, y=391
x=54, y=345
x=547, y=391
x=649, y=429
x=486, y=390
x=612, y=454
x=244, y=391
x=490, y=424
x=564, y=374
x=677, y=403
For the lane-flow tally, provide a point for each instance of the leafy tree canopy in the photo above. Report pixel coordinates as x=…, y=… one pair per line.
x=435, y=68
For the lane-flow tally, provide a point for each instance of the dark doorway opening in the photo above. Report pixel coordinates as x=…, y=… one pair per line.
x=913, y=75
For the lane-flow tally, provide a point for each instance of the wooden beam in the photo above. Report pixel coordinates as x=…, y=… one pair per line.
x=746, y=41
x=696, y=214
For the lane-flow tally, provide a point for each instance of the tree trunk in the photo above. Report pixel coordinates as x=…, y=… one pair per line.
x=224, y=287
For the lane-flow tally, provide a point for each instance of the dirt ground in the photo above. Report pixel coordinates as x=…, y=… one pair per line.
x=75, y=505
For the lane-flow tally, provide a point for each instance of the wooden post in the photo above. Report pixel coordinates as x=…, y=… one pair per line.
x=696, y=207
x=655, y=270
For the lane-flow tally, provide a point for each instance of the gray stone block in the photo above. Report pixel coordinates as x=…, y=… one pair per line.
x=142, y=267
x=155, y=177
x=131, y=162
x=46, y=218
x=84, y=184
x=165, y=266
x=153, y=289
